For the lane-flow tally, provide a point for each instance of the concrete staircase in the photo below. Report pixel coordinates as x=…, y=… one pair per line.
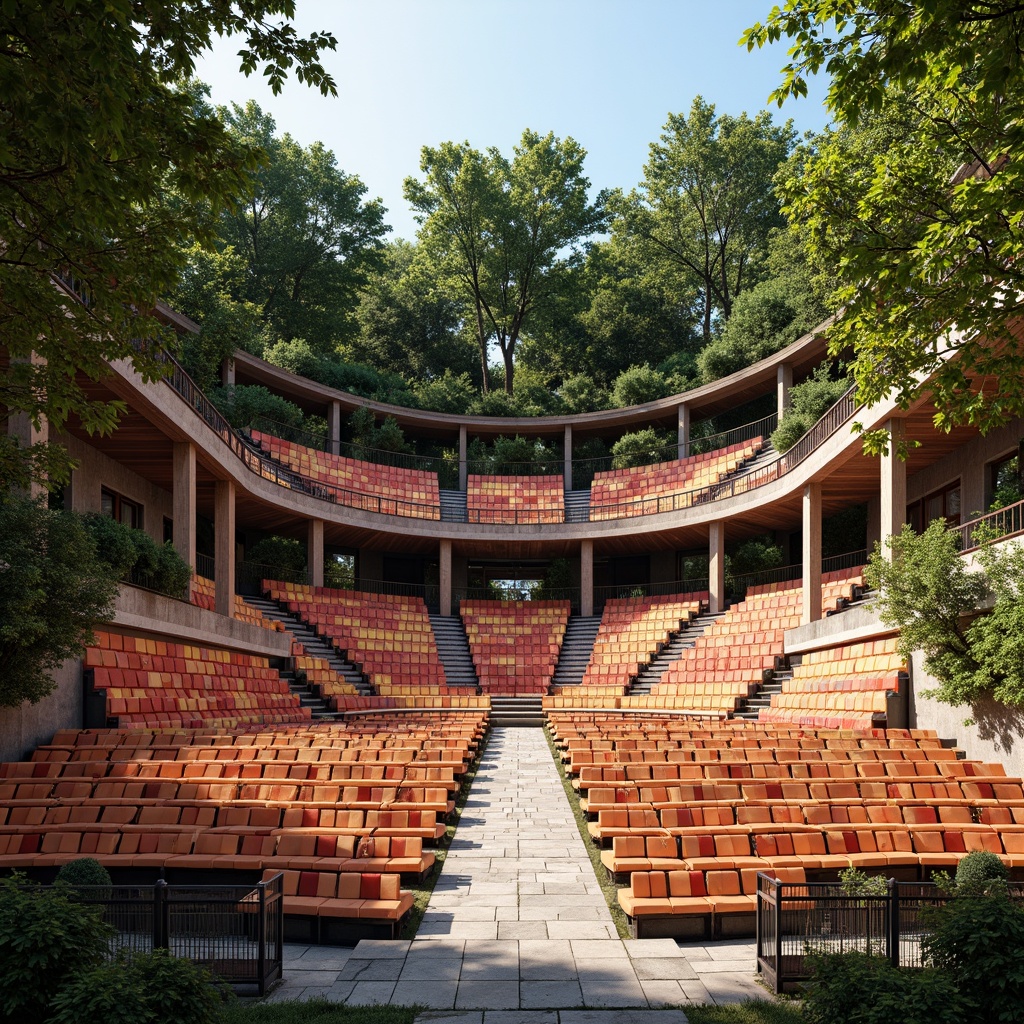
x=577, y=506
x=453, y=650
x=517, y=712
x=453, y=506
x=762, y=698
x=314, y=644
x=577, y=646
x=672, y=651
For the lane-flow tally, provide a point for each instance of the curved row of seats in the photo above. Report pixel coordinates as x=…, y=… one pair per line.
x=515, y=499
x=841, y=687
x=203, y=594
x=690, y=813
x=388, y=637
x=515, y=644
x=665, y=486
x=158, y=682
x=390, y=490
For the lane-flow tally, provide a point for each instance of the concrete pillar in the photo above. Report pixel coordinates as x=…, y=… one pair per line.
x=683, y=430
x=27, y=433
x=444, y=576
x=334, y=427
x=567, y=449
x=315, y=552
x=892, y=493
x=224, y=541
x=716, y=566
x=811, y=609
x=587, y=577
x=184, y=501
x=783, y=382
x=463, y=473
x=227, y=372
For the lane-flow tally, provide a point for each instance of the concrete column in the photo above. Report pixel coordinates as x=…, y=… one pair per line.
x=227, y=372
x=811, y=610
x=716, y=566
x=463, y=472
x=224, y=541
x=444, y=576
x=315, y=552
x=683, y=430
x=892, y=494
x=334, y=426
x=587, y=577
x=27, y=433
x=184, y=501
x=567, y=449
x=783, y=382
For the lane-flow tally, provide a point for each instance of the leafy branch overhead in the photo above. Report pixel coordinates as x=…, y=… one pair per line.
x=911, y=195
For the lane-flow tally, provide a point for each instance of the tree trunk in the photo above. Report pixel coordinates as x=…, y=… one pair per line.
x=481, y=337
x=510, y=369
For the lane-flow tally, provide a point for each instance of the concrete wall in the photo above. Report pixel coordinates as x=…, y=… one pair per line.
x=96, y=472
x=23, y=728
x=967, y=463
x=996, y=732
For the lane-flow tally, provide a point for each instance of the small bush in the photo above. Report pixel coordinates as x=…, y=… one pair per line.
x=139, y=988
x=978, y=943
x=46, y=936
x=641, y=448
x=854, y=988
x=84, y=871
x=977, y=871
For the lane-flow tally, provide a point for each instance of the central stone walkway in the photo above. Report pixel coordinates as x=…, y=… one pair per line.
x=517, y=919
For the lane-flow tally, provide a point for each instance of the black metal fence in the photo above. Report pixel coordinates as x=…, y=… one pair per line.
x=235, y=931
x=795, y=920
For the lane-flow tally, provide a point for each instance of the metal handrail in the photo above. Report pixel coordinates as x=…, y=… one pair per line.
x=1007, y=522
x=274, y=472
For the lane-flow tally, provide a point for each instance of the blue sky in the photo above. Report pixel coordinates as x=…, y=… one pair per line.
x=607, y=72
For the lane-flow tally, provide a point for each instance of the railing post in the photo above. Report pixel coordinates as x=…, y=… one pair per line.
x=261, y=937
x=161, y=924
x=777, y=886
x=893, y=932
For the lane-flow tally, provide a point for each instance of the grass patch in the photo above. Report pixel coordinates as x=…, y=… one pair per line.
x=316, y=1011
x=608, y=887
x=421, y=891
x=754, y=1011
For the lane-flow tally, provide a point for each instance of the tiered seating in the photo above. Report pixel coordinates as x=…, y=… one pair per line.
x=839, y=587
x=320, y=676
x=360, y=797
x=390, y=490
x=840, y=687
x=690, y=813
x=203, y=595
x=387, y=637
x=727, y=662
x=632, y=631
x=157, y=682
x=515, y=644
x=515, y=499
x=664, y=486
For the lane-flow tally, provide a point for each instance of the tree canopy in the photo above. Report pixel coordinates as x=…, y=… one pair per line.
x=503, y=230
x=923, y=229
x=96, y=139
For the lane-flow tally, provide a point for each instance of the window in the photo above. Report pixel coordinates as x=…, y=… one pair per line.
x=944, y=504
x=1003, y=481
x=120, y=508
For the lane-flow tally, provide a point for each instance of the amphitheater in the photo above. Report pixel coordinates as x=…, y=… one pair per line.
x=262, y=728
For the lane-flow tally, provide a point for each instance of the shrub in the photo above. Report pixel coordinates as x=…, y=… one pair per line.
x=86, y=871
x=46, y=936
x=854, y=988
x=810, y=401
x=252, y=407
x=978, y=943
x=641, y=448
x=977, y=871
x=139, y=988
x=114, y=543
x=283, y=557
x=638, y=385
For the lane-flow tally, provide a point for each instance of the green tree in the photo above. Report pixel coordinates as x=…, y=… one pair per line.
x=53, y=588
x=922, y=228
x=810, y=399
x=641, y=448
x=308, y=236
x=95, y=137
x=706, y=206
x=639, y=384
x=501, y=231
x=408, y=323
